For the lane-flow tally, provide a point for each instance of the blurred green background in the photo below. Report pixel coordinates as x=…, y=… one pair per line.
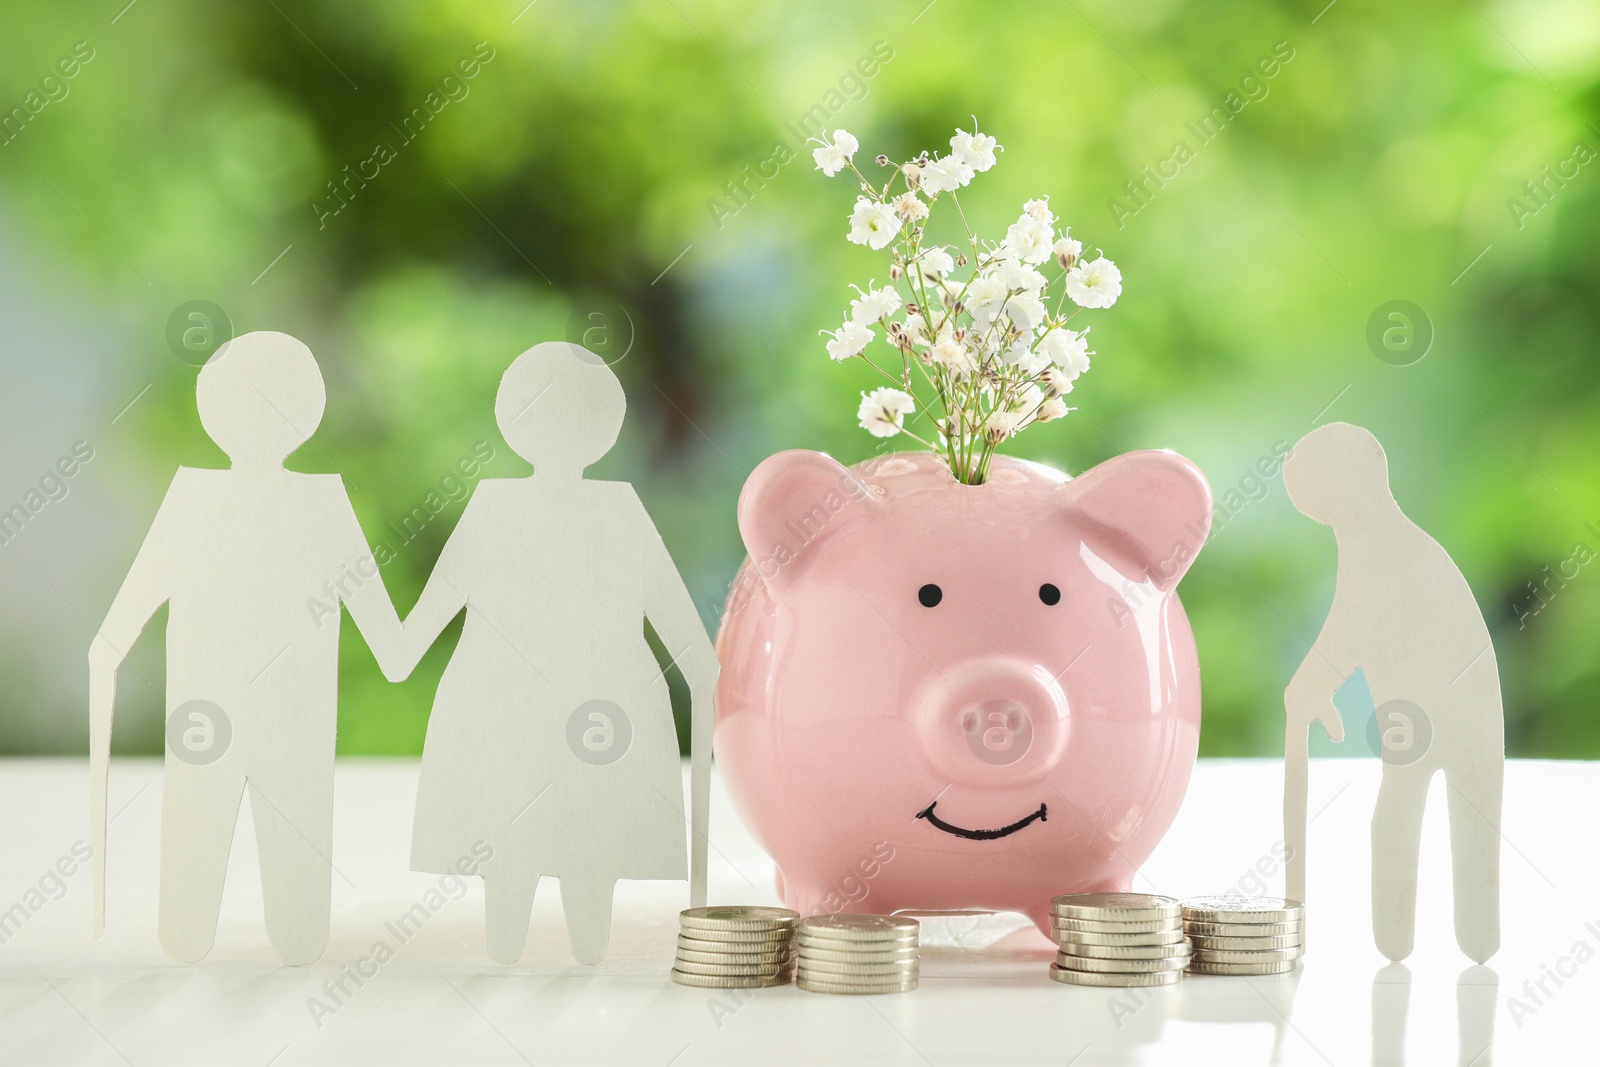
x=578, y=186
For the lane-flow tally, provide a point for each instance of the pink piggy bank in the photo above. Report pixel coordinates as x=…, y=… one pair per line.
x=939, y=696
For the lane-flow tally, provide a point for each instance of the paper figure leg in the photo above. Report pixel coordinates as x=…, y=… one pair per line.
x=507, y=903
x=1475, y=857
x=587, y=903
x=294, y=836
x=1396, y=837
x=199, y=806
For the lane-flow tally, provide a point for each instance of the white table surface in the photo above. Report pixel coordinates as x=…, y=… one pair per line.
x=984, y=996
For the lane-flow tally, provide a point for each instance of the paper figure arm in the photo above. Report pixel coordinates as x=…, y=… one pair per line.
x=442, y=598
x=671, y=611
x=366, y=596
x=147, y=586
x=1332, y=659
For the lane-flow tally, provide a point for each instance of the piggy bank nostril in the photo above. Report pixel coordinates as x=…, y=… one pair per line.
x=999, y=732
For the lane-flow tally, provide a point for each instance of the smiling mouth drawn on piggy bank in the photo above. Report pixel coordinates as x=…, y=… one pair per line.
x=980, y=835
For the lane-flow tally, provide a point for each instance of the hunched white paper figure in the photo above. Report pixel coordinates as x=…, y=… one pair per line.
x=241, y=555
x=551, y=738
x=1404, y=615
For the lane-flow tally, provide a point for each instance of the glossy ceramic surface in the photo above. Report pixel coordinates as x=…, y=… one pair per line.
x=938, y=696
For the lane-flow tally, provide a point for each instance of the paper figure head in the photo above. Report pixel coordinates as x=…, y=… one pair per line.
x=1337, y=471
x=260, y=397
x=560, y=407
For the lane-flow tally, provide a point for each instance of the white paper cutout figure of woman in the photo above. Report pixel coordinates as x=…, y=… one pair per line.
x=551, y=738
x=1404, y=615
x=253, y=561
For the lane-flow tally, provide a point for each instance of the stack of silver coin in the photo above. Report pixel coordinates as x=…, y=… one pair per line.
x=857, y=954
x=1244, y=935
x=1118, y=939
x=735, y=947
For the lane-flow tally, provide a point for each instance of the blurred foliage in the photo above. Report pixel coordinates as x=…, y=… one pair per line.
x=585, y=160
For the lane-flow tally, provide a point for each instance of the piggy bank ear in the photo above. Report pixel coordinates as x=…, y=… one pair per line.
x=1148, y=509
x=793, y=500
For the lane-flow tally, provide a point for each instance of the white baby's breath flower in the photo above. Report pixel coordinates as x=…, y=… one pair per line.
x=1067, y=350
x=848, y=340
x=910, y=207
x=916, y=328
x=1028, y=400
x=945, y=175
x=985, y=297
x=1039, y=209
x=1067, y=251
x=1001, y=424
x=1054, y=379
x=1026, y=358
x=875, y=305
x=831, y=158
x=1019, y=276
x=950, y=352
x=975, y=150
x=1028, y=239
x=873, y=224
x=1095, y=284
x=883, y=411
x=1025, y=311
x=1051, y=410
x=935, y=261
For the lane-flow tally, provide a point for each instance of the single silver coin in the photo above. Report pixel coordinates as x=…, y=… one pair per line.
x=723, y=981
x=826, y=955
x=1176, y=950
x=1100, y=978
x=743, y=959
x=910, y=937
x=1086, y=937
x=756, y=970
x=738, y=917
x=1132, y=907
x=1198, y=966
x=1226, y=929
x=1242, y=909
x=1211, y=942
x=1092, y=963
x=752, y=936
x=868, y=970
x=860, y=927
x=858, y=989
x=856, y=947
x=1116, y=926
x=1268, y=955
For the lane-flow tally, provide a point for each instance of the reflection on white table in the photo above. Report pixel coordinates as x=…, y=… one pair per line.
x=405, y=979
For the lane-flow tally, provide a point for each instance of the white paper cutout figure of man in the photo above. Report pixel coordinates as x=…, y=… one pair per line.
x=1404, y=615
x=248, y=558
x=551, y=738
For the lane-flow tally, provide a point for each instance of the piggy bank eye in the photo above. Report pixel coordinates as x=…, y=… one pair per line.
x=1049, y=594
x=930, y=595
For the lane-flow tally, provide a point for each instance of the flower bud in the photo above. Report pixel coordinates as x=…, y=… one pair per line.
x=1066, y=259
x=882, y=160
x=913, y=175
x=895, y=272
x=961, y=260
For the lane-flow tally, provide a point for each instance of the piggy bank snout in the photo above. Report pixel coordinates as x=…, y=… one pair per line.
x=993, y=720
